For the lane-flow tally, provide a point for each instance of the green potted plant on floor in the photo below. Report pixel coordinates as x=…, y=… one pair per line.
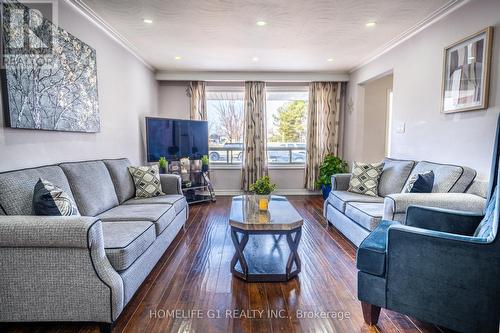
x=262, y=190
x=331, y=165
x=163, y=165
x=204, y=163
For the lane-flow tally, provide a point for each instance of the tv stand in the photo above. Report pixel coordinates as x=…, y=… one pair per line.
x=198, y=188
x=196, y=184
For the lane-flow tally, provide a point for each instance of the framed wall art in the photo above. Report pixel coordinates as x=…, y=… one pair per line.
x=466, y=73
x=49, y=80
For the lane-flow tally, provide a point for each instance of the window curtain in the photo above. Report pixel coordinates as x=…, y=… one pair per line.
x=196, y=91
x=254, y=134
x=323, y=126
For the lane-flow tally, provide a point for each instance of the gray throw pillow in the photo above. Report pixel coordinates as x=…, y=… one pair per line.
x=50, y=200
x=365, y=178
x=146, y=180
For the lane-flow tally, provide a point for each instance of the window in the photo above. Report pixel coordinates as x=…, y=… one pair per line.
x=286, y=109
x=225, y=124
x=286, y=124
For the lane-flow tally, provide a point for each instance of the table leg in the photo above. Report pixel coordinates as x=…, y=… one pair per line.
x=239, y=246
x=293, y=243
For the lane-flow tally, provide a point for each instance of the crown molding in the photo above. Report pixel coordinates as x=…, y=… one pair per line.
x=250, y=76
x=432, y=18
x=99, y=22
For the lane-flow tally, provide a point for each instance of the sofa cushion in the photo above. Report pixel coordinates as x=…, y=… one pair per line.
x=447, y=177
x=124, y=242
x=160, y=215
x=479, y=188
x=372, y=250
x=92, y=186
x=16, y=188
x=50, y=200
x=339, y=199
x=122, y=180
x=394, y=176
x=366, y=214
x=178, y=201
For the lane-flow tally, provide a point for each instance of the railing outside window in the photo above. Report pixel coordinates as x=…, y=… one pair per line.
x=275, y=155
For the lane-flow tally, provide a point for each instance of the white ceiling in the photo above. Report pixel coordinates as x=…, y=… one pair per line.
x=222, y=35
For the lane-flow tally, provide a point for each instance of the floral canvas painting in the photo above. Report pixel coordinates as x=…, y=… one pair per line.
x=49, y=79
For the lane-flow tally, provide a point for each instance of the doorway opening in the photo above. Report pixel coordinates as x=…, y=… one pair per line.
x=377, y=118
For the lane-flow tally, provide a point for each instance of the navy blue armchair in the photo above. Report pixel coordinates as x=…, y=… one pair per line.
x=442, y=267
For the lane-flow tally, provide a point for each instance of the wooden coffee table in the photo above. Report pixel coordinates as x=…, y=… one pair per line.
x=262, y=255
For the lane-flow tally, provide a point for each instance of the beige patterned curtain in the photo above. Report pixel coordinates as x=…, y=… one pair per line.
x=325, y=104
x=196, y=91
x=254, y=134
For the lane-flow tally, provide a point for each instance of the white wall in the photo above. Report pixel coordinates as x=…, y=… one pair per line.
x=128, y=91
x=289, y=181
x=461, y=138
x=174, y=103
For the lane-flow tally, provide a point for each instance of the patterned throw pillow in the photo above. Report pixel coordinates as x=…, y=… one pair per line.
x=421, y=183
x=365, y=178
x=146, y=180
x=50, y=200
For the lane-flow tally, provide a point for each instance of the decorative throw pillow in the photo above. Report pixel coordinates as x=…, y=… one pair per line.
x=365, y=178
x=421, y=183
x=146, y=180
x=50, y=200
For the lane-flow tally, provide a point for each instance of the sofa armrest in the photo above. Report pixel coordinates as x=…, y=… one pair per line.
x=46, y=231
x=395, y=205
x=340, y=181
x=171, y=184
x=55, y=268
x=445, y=220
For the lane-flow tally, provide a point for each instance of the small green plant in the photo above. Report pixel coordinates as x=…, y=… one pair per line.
x=204, y=160
x=331, y=165
x=162, y=163
x=263, y=186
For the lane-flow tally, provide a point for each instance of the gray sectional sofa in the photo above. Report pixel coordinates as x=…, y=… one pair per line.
x=82, y=268
x=356, y=215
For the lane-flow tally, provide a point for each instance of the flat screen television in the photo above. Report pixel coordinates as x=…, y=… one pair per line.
x=176, y=138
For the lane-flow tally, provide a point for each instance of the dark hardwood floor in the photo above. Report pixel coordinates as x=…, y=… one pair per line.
x=194, y=275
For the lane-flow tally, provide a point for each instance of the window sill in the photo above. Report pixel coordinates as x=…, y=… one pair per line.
x=286, y=167
x=225, y=166
x=270, y=167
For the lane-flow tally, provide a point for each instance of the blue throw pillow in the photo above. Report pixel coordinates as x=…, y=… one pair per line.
x=421, y=183
x=50, y=200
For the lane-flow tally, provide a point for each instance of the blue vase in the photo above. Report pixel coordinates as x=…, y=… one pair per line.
x=325, y=189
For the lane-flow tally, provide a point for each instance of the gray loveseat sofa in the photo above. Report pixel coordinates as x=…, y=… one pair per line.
x=81, y=268
x=356, y=215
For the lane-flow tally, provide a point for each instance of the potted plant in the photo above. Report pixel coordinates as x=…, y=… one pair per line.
x=163, y=164
x=262, y=190
x=204, y=163
x=331, y=165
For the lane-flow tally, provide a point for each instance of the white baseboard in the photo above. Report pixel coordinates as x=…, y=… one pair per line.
x=299, y=191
